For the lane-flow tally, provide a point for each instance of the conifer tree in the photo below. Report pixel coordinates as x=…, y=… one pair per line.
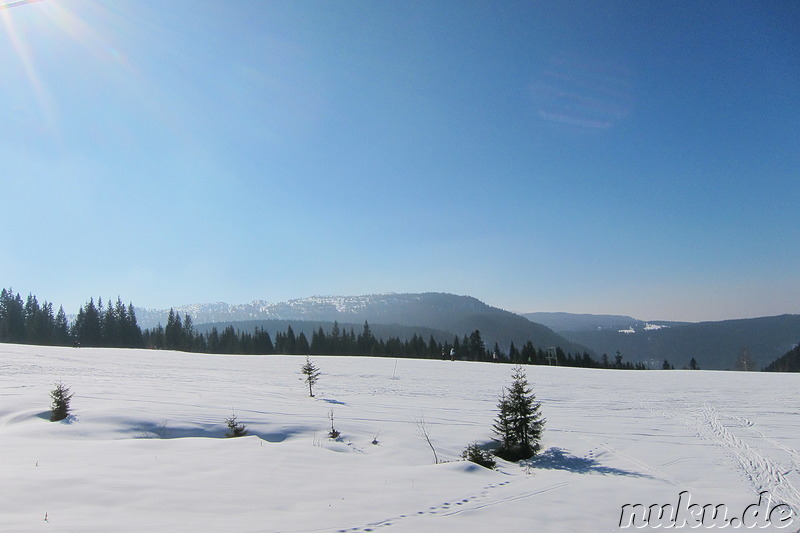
x=502, y=426
x=519, y=423
x=303, y=348
x=87, y=328
x=235, y=429
x=61, y=398
x=12, y=317
x=61, y=328
x=311, y=373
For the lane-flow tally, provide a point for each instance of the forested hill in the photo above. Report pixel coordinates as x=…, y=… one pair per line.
x=789, y=362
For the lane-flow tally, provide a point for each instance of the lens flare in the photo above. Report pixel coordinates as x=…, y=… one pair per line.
x=38, y=32
x=23, y=52
x=15, y=3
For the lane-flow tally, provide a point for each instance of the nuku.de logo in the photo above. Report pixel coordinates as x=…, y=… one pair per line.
x=692, y=515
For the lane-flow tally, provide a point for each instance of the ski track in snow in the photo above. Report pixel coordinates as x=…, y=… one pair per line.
x=763, y=473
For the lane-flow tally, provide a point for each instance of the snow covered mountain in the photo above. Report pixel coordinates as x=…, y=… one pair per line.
x=349, y=308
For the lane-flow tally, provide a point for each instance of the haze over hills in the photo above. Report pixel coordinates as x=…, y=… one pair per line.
x=587, y=322
x=455, y=315
x=714, y=345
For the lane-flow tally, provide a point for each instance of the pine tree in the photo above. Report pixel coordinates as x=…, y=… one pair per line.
x=235, y=429
x=87, y=329
x=303, y=348
x=311, y=373
x=365, y=340
x=502, y=426
x=519, y=424
x=12, y=317
x=61, y=328
x=474, y=454
x=475, y=346
x=61, y=398
x=173, y=331
x=290, y=346
x=187, y=335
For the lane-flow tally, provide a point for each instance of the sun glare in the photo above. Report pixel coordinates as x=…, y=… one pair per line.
x=22, y=51
x=36, y=28
x=14, y=3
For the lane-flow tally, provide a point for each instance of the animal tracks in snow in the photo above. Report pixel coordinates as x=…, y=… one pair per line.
x=487, y=497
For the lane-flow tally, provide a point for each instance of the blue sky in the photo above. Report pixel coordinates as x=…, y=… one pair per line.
x=636, y=158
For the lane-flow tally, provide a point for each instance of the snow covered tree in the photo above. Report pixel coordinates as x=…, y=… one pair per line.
x=311, y=373
x=59, y=407
x=235, y=429
x=519, y=424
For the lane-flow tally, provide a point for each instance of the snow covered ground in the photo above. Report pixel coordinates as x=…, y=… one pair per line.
x=144, y=450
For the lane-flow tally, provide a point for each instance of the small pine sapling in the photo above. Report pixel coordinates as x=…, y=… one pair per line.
x=61, y=398
x=474, y=454
x=235, y=429
x=333, y=433
x=311, y=373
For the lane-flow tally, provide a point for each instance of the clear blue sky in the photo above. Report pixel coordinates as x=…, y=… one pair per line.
x=636, y=158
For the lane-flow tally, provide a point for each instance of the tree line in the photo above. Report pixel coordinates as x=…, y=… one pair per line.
x=30, y=322
x=114, y=324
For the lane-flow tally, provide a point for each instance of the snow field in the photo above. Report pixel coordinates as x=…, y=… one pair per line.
x=144, y=448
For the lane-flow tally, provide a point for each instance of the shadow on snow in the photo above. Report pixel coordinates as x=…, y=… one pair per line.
x=557, y=459
x=336, y=402
x=150, y=430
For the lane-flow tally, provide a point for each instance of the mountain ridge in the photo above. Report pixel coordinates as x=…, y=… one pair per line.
x=458, y=315
x=714, y=344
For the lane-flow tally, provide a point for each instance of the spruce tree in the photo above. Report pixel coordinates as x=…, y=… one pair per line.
x=519, y=424
x=61, y=328
x=502, y=426
x=311, y=373
x=87, y=328
x=12, y=317
x=61, y=398
x=235, y=429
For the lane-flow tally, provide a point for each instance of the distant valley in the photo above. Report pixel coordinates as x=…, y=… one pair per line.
x=725, y=345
